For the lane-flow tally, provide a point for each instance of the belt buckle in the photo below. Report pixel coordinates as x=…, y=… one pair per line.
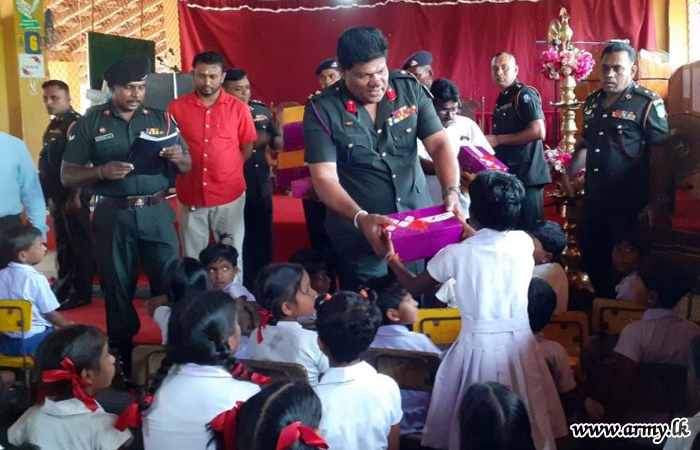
x=139, y=203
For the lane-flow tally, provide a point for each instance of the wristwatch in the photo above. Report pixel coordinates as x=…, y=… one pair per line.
x=447, y=191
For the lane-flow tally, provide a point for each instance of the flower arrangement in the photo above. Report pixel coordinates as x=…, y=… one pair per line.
x=558, y=160
x=554, y=63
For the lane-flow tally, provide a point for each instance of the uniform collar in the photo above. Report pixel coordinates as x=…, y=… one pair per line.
x=202, y=371
x=393, y=330
x=336, y=375
x=62, y=117
x=512, y=88
x=25, y=267
x=140, y=111
x=287, y=324
x=626, y=95
x=658, y=313
x=69, y=407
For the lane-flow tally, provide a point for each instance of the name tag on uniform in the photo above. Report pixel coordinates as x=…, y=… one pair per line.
x=104, y=137
x=402, y=113
x=506, y=106
x=622, y=114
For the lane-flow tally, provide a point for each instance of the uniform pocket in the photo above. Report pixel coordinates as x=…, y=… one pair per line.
x=628, y=137
x=404, y=134
x=354, y=149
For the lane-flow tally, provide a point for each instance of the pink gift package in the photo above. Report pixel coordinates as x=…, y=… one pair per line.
x=293, y=136
x=423, y=232
x=300, y=187
x=475, y=159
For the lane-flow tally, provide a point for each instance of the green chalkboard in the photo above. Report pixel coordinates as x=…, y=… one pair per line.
x=105, y=49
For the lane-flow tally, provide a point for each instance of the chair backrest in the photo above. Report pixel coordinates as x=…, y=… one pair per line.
x=570, y=329
x=611, y=316
x=15, y=316
x=411, y=370
x=278, y=371
x=145, y=362
x=660, y=387
x=441, y=325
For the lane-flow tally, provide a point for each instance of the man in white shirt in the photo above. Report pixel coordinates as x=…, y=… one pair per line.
x=460, y=130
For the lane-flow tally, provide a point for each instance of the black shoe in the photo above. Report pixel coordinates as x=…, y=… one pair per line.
x=72, y=304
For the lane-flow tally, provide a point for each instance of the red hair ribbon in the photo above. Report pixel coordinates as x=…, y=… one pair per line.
x=296, y=431
x=391, y=94
x=264, y=321
x=70, y=373
x=226, y=424
x=131, y=416
x=241, y=371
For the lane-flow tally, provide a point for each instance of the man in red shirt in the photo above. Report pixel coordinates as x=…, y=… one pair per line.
x=220, y=133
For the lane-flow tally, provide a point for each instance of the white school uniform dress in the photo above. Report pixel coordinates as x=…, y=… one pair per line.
x=359, y=407
x=462, y=131
x=24, y=282
x=492, y=270
x=555, y=276
x=289, y=342
x=558, y=362
x=413, y=403
x=67, y=425
x=189, y=398
x=631, y=288
x=235, y=289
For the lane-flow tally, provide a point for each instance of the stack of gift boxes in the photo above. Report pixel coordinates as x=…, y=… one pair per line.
x=292, y=172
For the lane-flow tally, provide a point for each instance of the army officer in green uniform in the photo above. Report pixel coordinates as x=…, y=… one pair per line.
x=625, y=128
x=360, y=136
x=132, y=221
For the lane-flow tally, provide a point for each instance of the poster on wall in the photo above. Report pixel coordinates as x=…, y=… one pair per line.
x=28, y=11
x=31, y=66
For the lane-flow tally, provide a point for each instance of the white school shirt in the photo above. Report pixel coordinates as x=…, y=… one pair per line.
x=555, y=276
x=558, y=363
x=236, y=289
x=189, y=398
x=682, y=443
x=359, y=407
x=661, y=337
x=462, y=131
x=631, y=288
x=413, y=403
x=24, y=282
x=67, y=425
x=289, y=342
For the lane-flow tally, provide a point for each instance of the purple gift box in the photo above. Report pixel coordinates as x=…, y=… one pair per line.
x=475, y=159
x=301, y=186
x=422, y=233
x=293, y=135
x=285, y=177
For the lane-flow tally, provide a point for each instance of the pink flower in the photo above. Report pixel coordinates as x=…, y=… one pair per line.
x=554, y=63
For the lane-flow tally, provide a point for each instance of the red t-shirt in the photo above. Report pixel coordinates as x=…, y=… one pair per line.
x=214, y=136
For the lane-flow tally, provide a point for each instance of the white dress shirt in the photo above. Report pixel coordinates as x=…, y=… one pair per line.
x=67, y=425
x=289, y=342
x=555, y=276
x=359, y=407
x=189, y=398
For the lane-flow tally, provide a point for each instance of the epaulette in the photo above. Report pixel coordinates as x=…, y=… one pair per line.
x=593, y=95
x=532, y=88
x=257, y=102
x=330, y=90
x=645, y=92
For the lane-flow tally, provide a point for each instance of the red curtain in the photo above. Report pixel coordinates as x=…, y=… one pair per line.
x=280, y=43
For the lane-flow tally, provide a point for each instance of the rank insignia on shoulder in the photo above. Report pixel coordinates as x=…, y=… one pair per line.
x=622, y=114
x=402, y=113
x=660, y=108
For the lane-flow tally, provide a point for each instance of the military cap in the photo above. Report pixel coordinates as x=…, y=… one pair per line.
x=421, y=58
x=330, y=63
x=128, y=70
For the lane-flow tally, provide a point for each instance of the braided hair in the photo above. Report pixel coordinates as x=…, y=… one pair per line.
x=276, y=284
x=198, y=332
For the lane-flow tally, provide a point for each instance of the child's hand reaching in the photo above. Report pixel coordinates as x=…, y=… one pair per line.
x=467, y=230
x=387, y=246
